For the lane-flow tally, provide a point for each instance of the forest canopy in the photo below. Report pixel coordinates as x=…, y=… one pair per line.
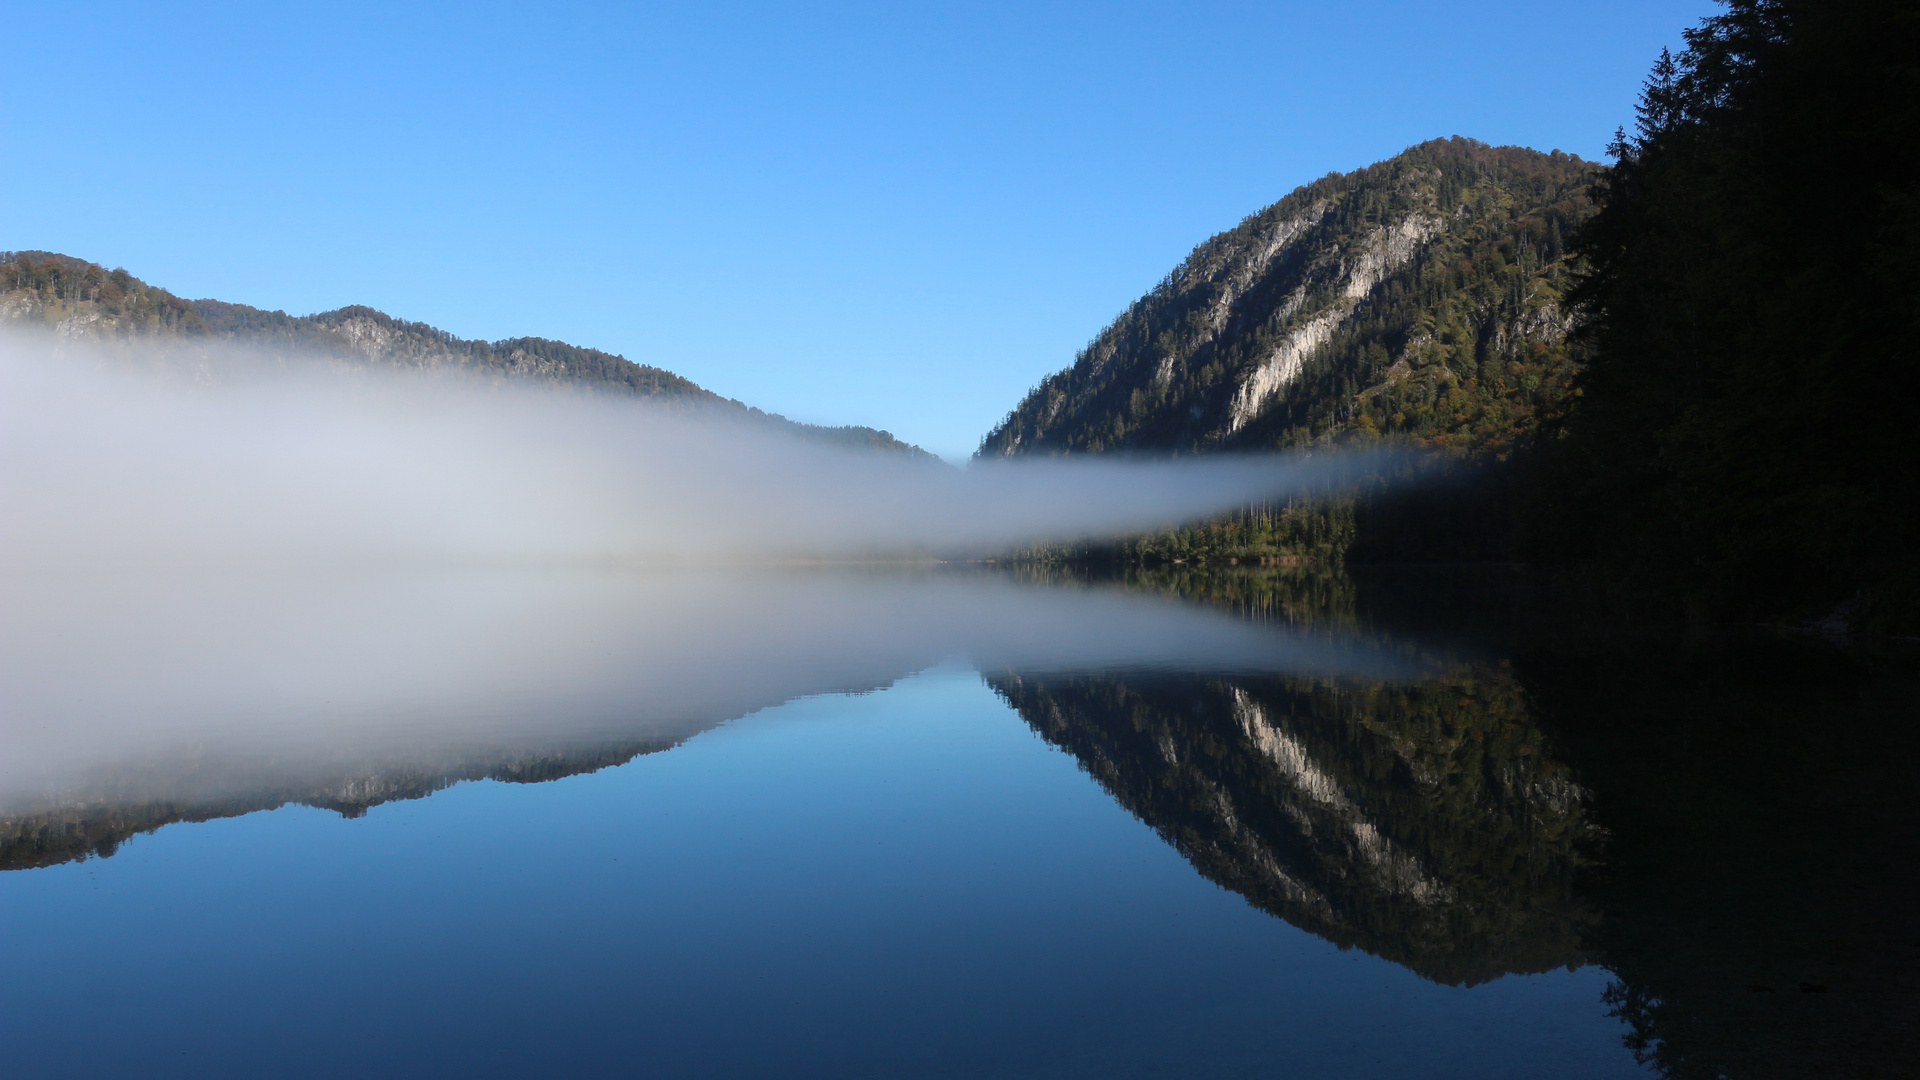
x=1744, y=428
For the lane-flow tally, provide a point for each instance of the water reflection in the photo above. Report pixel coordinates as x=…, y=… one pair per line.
x=1726, y=821
x=135, y=700
x=1421, y=822
x=1757, y=885
x=1449, y=773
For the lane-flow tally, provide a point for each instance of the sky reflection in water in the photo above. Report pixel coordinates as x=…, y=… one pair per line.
x=915, y=881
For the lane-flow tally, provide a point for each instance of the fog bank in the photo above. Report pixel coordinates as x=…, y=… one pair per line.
x=137, y=455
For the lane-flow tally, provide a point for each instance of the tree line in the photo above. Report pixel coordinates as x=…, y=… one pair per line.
x=1743, y=432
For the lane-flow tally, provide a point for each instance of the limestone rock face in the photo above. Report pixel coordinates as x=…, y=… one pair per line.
x=1375, y=293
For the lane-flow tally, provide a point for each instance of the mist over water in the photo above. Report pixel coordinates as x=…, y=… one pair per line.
x=137, y=454
x=197, y=685
x=215, y=558
x=236, y=588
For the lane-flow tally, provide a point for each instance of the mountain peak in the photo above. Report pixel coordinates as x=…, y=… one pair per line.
x=1354, y=304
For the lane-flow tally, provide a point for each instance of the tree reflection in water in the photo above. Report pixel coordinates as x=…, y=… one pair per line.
x=1758, y=887
x=1724, y=821
x=1455, y=771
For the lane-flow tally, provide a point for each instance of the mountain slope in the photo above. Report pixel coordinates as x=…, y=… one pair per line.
x=1416, y=300
x=83, y=300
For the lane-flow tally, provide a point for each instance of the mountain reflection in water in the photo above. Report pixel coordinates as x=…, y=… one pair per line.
x=1442, y=770
x=1727, y=822
x=135, y=700
x=1421, y=822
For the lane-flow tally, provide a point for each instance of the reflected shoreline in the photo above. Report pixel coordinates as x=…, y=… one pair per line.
x=134, y=700
x=1415, y=769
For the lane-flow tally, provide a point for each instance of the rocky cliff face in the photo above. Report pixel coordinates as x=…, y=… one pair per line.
x=1419, y=296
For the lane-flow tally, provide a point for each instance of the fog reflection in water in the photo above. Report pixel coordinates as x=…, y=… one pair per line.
x=1436, y=783
x=180, y=686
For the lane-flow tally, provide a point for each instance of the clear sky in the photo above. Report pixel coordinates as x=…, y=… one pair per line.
x=901, y=215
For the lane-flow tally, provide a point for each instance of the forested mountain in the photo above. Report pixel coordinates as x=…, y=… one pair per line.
x=1417, y=304
x=80, y=299
x=1420, y=299
x=1694, y=371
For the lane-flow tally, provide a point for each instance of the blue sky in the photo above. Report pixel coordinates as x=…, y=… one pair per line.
x=901, y=215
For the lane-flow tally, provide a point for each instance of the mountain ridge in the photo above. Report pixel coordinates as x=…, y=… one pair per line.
x=80, y=299
x=1373, y=304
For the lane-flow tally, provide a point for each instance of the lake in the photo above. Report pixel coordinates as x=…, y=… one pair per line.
x=911, y=820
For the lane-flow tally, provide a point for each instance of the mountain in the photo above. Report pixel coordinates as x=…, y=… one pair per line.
x=80, y=299
x=1732, y=429
x=1419, y=300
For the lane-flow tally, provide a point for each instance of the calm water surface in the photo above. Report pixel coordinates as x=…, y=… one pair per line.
x=933, y=823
